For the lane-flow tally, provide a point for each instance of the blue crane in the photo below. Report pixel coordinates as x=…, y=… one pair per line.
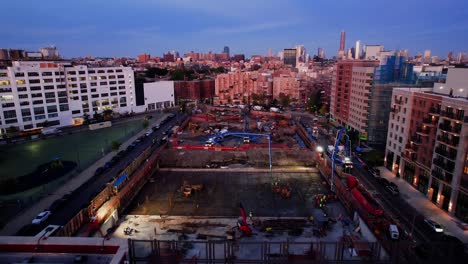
x=343, y=159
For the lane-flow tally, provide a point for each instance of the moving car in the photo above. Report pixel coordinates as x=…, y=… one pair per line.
x=149, y=132
x=41, y=217
x=434, y=226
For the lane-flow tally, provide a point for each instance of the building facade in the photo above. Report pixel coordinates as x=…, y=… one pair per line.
x=37, y=94
x=435, y=157
x=289, y=57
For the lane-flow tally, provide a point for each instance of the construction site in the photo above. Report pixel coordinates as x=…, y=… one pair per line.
x=228, y=177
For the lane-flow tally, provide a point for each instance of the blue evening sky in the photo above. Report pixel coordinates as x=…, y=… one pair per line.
x=127, y=28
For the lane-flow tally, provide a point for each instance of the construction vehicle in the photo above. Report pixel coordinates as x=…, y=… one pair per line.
x=242, y=223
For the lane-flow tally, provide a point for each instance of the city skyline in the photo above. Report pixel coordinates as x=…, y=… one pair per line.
x=122, y=28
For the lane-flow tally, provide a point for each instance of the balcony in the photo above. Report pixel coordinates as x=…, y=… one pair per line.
x=423, y=131
x=452, y=154
x=448, y=166
x=452, y=142
x=416, y=140
x=434, y=111
x=451, y=129
x=430, y=122
x=459, y=116
x=411, y=156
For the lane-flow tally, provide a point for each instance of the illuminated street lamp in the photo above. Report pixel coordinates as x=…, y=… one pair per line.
x=320, y=150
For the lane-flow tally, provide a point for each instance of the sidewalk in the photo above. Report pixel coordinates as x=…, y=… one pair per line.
x=25, y=217
x=426, y=207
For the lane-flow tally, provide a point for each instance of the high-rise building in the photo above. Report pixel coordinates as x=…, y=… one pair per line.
x=169, y=57
x=341, y=51
x=175, y=54
x=226, y=50
x=270, y=53
x=425, y=143
x=372, y=52
x=36, y=91
x=357, y=51
x=290, y=57
x=427, y=54
x=349, y=54
x=321, y=53
x=300, y=54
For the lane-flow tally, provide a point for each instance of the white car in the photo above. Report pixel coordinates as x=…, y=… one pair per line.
x=434, y=226
x=149, y=132
x=41, y=217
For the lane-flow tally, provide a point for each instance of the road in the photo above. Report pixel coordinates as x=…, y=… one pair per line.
x=86, y=192
x=395, y=205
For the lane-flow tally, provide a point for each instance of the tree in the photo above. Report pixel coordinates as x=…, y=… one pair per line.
x=115, y=145
x=324, y=109
x=145, y=124
x=218, y=70
x=98, y=117
x=86, y=118
x=153, y=72
x=284, y=100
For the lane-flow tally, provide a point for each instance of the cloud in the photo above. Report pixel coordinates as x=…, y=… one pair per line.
x=250, y=28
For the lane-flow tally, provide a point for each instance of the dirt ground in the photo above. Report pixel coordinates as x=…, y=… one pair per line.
x=224, y=190
x=258, y=158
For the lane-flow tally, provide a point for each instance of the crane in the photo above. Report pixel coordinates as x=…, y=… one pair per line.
x=337, y=156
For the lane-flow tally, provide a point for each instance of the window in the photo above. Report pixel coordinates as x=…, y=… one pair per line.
x=91, y=71
x=39, y=111
x=122, y=93
x=6, y=105
x=100, y=71
x=71, y=79
x=38, y=102
x=48, y=80
x=103, y=83
x=19, y=74
x=26, y=112
x=62, y=94
x=74, y=112
x=81, y=72
x=93, y=84
x=112, y=82
x=50, y=95
x=39, y=117
x=63, y=100
x=22, y=89
x=64, y=107
x=51, y=109
x=121, y=87
x=121, y=82
x=72, y=72
x=61, y=86
x=24, y=103
x=33, y=74
x=82, y=85
x=23, y=96
x=27, y=119
x=84, y=97
x=48, y=87
x=9, y=114
x=35, y=88
x=35, y=95
x=120, y=76
x=47, y=74
x=95, y=96
x=113, y=88
x=51, y=100
x=104, y=94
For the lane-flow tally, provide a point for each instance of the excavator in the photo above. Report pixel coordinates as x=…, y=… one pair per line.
x=242, y=224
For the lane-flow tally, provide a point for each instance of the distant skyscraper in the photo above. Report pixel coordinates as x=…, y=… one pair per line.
x=300, y=54
x=449, y=56
x=175, y=54
x=350, y=53
x=289, y=57
x=341, y=51
x=270, y=53
x=357, y=52
x=321, y=53
x=226, y=50
x=427, y=54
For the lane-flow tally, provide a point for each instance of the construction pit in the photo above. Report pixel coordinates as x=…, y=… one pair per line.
x=197, y=194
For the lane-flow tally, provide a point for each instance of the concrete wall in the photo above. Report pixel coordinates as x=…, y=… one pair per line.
x=159, y=94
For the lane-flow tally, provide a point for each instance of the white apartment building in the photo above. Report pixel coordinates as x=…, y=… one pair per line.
x=32, y=92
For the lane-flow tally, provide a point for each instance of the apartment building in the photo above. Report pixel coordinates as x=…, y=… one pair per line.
x=435, y=134
x=240, y=87
x=34, y=94
x=350, y=88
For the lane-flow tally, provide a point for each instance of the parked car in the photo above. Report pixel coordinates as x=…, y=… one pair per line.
x=131, y=147
x=41, y=217
x=108, y=165
x=149, y=132
x=156, y=127
x=436, y=227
